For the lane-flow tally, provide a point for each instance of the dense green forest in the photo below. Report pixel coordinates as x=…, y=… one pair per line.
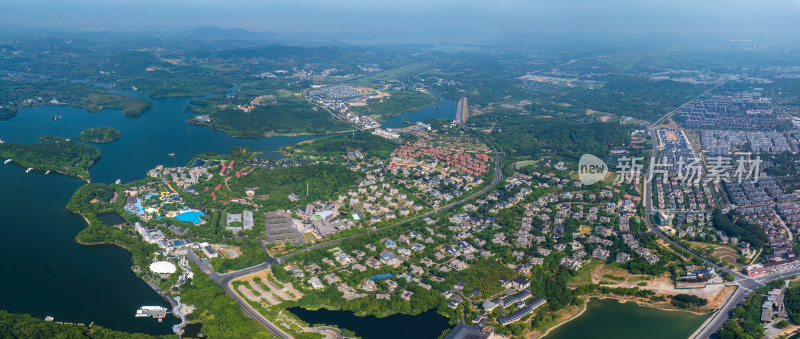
x=286, y=117
x=748, y=232
x=688, y=301
x=325, y=181
x=791, y=300
x=60, y=155
x=529, y=136
x=81, y=95
x=484, y=276
x=399, y=102
x=365, y=142
x=99, y=135
x=25, y=326
x=168, y=82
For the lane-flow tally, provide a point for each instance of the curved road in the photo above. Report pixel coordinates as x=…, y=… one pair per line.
x=498, y=175
x=226, y=278
x=746, y=285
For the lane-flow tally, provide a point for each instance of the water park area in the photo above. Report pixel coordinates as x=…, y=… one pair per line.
x=160, y=199
x=187, y=215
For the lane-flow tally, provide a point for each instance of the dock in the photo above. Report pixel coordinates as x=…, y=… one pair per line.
x=155, y=312
x=176, y=311
x=176, y=304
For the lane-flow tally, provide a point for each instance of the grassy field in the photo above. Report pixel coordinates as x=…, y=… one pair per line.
x=725, y=253
x=596, y=271
x=521, y=164
x=398, y=102
x=308, y=236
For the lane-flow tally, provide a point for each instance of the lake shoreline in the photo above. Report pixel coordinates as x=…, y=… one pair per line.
x=620, y=300
x=151, y=140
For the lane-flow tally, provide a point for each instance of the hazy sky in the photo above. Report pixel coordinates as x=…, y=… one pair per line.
x=734, y=19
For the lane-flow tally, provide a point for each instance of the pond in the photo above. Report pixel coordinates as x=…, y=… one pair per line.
x=610, y=319
x=427, y=324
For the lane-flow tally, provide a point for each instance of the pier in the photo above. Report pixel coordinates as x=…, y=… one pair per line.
x=156, y=312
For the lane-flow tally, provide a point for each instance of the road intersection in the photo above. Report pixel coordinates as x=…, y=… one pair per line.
x=225, y=279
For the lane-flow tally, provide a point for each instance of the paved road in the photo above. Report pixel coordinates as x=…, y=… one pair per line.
x=498, y=175
x=328, y=332
x=746, y=285
x=225, y=278
x=722, y=314
x=244, y=305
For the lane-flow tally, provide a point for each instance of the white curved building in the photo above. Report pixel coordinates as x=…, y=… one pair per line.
x=163, y=267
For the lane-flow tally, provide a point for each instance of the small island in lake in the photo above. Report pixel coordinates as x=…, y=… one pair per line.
x=99, y=135
x=65, y=156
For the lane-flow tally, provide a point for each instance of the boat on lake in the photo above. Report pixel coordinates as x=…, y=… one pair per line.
x=29, y=169
x=46, y=173
x=55, y=117
x=6, y=162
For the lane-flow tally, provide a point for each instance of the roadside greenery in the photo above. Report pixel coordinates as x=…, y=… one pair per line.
x=791, y=300
x=218, y=312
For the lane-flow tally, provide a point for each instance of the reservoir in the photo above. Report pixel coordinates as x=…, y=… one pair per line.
x=442, y=108
x=427, y=324
x=45, y=271
x=610, y=319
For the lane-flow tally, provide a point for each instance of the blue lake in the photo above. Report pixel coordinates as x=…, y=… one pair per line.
x=47, y=272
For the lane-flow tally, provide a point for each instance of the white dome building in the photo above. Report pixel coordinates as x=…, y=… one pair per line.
x=163, y=267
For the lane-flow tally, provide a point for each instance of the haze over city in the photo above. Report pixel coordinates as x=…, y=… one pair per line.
x=433, y=169
x=774, y=20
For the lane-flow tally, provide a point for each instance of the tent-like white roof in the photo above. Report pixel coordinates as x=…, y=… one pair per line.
x=163, y=267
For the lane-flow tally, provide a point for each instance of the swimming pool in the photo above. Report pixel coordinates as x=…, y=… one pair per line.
x=191, y=216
